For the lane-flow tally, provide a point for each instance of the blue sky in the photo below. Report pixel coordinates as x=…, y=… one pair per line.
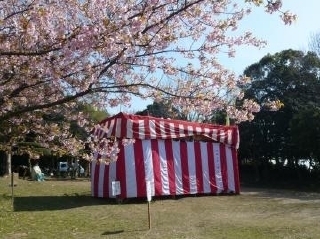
x=278, y=35
x=270, y=28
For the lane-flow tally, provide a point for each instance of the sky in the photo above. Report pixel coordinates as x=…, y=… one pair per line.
x=278, y=35
x=267, y=27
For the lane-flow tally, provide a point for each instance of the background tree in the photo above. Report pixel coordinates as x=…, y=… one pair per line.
x=292, y=78
x=51, y=141
x=306, y=135
x=162, y=110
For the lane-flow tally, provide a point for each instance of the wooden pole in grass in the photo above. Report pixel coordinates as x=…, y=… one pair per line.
x=149, y=200
x=9, y=158
x=12, y=197
x=149, y=217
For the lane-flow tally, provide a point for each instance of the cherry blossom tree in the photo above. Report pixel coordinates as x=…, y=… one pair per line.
x=56, y=53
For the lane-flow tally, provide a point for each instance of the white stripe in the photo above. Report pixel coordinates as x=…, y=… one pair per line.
x=163, y=168
x=214, y=134
x=129, y=129
x=238, y=139
x=105, y=129
x=95, y=155
x=93, y=168
x=198, y=130
x=172, y=133
x=229, y=137
x=130, y=171
x=162, y=130
x=112, y=177
x=177, y=166
x=102, y=166
x=118, y=128
x=231, y=182
x=141, y=129
x=110, y=128
x=190, y=130
x=205, y=168
x=148, y=163
x=152, y=127
x=181, y=131
x=207, y=132
x=222, y=135
x=217, y=163
x=129, y=134
x=192, y=168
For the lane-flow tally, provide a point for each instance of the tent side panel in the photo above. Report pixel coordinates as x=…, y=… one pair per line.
x=172, y=167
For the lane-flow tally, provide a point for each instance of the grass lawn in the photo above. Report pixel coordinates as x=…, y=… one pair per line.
x=65, y=209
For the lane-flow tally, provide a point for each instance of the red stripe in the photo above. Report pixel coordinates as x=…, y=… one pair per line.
x=211, y=167
x=156, y=167
x=170, y=166
x=146, y=129
x=114, y=127
x=167, y=129
x=96, y=179
x=135, y=129
x=235, y=170
x=121, y=172
x=218, y=135
x=123, y=127
x=176, y=129
x=157, y=129
x=184, y=167
x=106, y=182
x=140, y=169
x=224, y=169
x=198, y=163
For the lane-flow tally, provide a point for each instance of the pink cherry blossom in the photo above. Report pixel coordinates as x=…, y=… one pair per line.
x=101, y=52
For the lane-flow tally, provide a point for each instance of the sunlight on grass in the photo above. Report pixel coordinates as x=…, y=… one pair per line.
x=65, y=209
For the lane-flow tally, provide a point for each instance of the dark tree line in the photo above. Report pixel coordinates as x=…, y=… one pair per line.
x=290, y=136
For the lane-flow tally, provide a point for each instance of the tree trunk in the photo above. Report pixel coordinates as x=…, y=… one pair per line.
x=8, y=167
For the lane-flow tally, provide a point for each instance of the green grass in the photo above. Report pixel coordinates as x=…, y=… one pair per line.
x=65, y=209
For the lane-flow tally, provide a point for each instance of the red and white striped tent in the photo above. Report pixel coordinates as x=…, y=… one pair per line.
x=164, y=155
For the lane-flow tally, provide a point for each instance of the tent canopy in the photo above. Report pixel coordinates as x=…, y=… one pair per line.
x=176, y=157
x=146, y=127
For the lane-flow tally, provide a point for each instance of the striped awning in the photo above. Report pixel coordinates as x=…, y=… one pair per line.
x=146, y=127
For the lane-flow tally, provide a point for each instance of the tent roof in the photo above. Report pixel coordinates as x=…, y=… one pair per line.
x=147, y=127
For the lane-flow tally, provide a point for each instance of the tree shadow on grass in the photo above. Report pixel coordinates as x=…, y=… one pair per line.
x=45, y=203
x=114, y=232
